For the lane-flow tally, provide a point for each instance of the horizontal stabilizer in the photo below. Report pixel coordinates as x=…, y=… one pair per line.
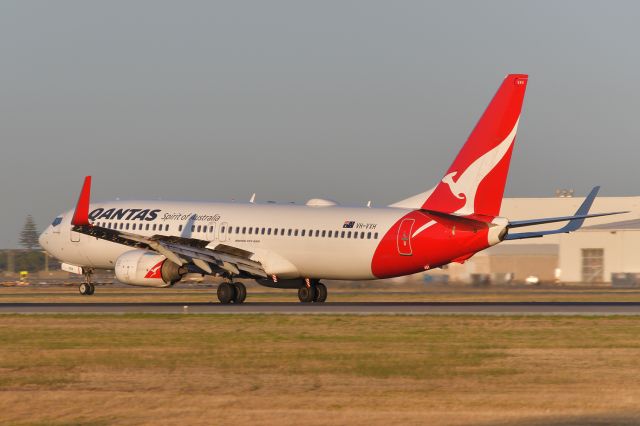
x=575, y=222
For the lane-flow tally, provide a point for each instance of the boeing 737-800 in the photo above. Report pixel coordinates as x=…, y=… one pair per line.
x=155, y=243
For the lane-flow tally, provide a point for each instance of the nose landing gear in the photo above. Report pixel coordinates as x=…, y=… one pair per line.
x=87, y=288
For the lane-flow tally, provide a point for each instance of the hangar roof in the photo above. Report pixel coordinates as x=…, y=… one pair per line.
x=633, y=224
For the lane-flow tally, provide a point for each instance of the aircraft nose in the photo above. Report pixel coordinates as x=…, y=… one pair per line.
x=43, y=240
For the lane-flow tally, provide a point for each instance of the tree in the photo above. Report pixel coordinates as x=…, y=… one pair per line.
x=29, y=234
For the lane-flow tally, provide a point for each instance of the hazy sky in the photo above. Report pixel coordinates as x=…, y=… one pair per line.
x=350, y=100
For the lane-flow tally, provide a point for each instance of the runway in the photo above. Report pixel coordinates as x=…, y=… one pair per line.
x=334, y=308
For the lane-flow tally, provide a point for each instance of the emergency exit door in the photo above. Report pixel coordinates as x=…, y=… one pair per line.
x=404, y=237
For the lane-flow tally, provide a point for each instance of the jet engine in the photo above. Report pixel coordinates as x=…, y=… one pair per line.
x=147, y=269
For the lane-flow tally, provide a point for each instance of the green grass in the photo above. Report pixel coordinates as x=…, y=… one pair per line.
x=427, y=362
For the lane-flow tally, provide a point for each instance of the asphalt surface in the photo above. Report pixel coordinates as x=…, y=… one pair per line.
x=358, y=308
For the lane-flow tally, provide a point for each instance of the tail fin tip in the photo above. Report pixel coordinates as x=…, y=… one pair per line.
x=475, y=181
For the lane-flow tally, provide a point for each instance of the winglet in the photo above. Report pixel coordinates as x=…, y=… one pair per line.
x=81, y=214
x=583, y=211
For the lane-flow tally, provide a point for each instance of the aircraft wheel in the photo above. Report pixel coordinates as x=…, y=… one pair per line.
x=85, y=289
x=306, y=294
x=226, y=293
x=92, y=289
x=320, y=293
x=240, y=293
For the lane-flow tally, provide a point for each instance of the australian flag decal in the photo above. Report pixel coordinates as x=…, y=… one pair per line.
x=348, y=224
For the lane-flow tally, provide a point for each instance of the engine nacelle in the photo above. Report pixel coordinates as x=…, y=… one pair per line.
x=147, y=269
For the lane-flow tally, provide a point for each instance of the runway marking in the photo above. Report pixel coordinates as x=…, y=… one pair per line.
x=333, y=308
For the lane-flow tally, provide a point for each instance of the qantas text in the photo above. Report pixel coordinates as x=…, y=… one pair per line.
x=124, y=214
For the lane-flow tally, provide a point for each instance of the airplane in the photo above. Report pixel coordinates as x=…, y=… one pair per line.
x=156, y=243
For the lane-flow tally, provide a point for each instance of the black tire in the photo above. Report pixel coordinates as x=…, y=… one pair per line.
x=240, y=293
x=321, y=293
x=226, y=293
x=92, y=289
x=84, y=289
x=306, y=294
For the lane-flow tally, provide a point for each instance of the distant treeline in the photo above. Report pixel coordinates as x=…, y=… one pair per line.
x=26, y=260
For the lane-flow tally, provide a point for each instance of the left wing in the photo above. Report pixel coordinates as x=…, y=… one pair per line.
x=179, y=250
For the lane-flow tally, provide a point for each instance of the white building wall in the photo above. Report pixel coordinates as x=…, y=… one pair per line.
x=621, y=252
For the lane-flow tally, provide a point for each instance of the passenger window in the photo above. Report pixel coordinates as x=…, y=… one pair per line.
x=127, y=226
x=282, y=231
x=179, y=228
x=275, y=231
x=302, y=233
x=250, y=229
x=262, y=232
x=198, y=228
x=324, y=233
x=375, y=235
x=222, y=230
x=244, y=229
x=330, y=232
x=368, y=235
x=311, y=232
x=295, y=233
x=166, y=227
x=362, y=235
x=193, y=228
x=349, y=234
x=317, y=232
x=237, y=229
x=289, y=233
x=268, y=231
x=342, y=234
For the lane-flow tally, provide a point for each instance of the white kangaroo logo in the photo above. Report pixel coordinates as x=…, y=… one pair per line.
x=466, y=186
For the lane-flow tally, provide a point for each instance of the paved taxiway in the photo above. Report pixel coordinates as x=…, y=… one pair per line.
x=362, y=308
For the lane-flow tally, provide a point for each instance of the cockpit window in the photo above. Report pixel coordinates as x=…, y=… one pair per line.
x=57, y=221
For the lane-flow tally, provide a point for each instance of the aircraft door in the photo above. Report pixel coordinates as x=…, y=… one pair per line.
x=75, y=236
x=404, y=237
x=223, y=231
x=211, y=231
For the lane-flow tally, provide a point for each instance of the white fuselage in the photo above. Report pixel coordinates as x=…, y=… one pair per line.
x=290, y=241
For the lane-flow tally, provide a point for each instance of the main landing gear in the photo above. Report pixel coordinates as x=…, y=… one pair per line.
x=87, y=288
x=229, y=292
x=313, y=291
